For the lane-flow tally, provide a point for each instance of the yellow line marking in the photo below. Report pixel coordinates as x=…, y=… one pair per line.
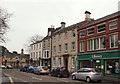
x=11, y=80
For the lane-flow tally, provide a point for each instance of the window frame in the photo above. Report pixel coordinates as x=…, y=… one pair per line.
x=111, y=22
x=101, y=25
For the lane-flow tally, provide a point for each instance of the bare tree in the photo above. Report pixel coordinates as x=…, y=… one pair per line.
x=32, y=40
x=4, y=18
x=35, y=38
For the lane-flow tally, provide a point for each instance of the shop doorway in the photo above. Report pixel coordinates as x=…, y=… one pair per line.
x=98, y=65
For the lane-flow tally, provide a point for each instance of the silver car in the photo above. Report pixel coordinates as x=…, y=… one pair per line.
x=88, y=74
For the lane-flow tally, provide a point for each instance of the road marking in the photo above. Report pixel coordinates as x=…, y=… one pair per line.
x=36, y=78
x=11, y=80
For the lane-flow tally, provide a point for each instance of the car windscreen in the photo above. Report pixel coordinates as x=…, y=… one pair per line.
x=45, y=68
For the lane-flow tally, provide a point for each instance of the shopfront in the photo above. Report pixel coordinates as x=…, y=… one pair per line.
x=108, y=62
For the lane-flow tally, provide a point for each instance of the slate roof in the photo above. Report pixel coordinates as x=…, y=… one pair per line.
x=90, y=23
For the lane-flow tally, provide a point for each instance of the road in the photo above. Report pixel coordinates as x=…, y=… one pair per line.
x=17, y=77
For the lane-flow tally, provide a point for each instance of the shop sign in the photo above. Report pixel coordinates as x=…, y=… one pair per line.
x=96, y=56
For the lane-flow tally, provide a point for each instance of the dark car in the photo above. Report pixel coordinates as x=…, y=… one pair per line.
x=60, y=72
x=24, y=68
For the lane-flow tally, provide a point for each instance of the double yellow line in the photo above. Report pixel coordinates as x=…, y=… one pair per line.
x=11, y=80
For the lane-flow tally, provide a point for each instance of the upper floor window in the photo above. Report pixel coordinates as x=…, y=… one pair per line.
x=39, y=45
x=66, y=47
x=73, y=45
x=82, y=46
x=66, y=35
x=73, y=33
x=113, y=25
x=90, y=31
x=54, y=38
x=114, y=41
x=101, y=28
x=82, y=33
x=59, y=48
x=48, y=42
x=97, y=43
x=59, y=36
x=54, y=48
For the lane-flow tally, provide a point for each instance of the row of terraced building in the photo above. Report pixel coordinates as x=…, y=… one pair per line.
x=89, y=43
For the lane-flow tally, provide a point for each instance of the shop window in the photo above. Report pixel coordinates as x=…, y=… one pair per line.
x=113, y=25
x=54, y=62
x=90, y=31
x=114, y=41
x=59, y=62
x=73, y=62
x=82, y=33
x=112, y=66
x=101, y=28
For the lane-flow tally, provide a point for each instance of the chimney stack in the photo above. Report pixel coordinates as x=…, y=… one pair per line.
x=87, y=15
x=63, y=24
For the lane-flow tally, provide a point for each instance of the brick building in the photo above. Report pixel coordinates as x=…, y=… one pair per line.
x=98, y=45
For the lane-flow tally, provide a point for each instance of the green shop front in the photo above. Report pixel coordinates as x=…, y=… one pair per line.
x=108, y=62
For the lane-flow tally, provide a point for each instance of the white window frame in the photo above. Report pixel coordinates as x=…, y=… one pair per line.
x=113, y=24
x=82, y=43
x=90, y=28
x=80, y=33
x=100, y=25
x=113, y=40
x=73, y=62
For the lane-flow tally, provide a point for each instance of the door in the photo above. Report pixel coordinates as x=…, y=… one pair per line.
x=66, y=62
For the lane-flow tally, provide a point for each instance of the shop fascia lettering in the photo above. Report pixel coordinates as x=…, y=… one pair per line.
x=96, y=56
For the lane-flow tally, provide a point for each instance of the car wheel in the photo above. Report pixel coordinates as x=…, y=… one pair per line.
x=73, y=77
x=59, y=76
x=88, y=79
x=99, y=81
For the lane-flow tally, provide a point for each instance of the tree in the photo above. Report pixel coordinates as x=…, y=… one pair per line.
x=4, y=18
x=32, y=40
x=35, y=38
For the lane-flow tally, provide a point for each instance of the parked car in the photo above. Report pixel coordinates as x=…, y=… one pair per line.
x=42, y=70
x=9, y=66
x=31, y=69
x=88, y=74
x=2, y=66
x=60, y=72
x=24, y=68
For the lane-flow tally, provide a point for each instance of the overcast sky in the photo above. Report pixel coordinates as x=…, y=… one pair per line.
x=32, y=17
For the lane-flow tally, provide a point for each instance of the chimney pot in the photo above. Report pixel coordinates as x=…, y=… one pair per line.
x=63, y=24
x=87, y=15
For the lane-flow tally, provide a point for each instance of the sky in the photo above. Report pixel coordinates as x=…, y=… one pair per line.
x=30, y=17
